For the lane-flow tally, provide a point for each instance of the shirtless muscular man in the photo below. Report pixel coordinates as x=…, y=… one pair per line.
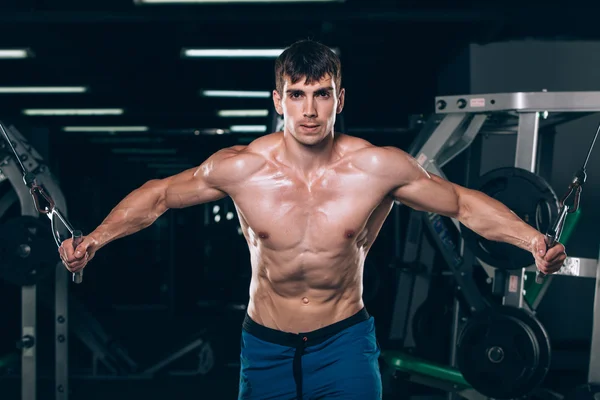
x=311, y=202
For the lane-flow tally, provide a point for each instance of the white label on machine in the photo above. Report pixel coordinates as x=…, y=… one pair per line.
x=513, y=284
x=570, y=267
x=479, y=102
x=421, y=159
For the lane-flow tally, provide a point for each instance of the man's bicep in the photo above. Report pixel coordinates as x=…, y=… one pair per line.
x=431, y=193
x=204, y=183
x=415, y=187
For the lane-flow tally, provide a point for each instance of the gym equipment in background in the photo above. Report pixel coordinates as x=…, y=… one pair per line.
x=484, y=360
x=29, y=259
x=32, y=243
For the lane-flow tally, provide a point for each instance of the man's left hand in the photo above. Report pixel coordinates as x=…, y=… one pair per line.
x=548, y=260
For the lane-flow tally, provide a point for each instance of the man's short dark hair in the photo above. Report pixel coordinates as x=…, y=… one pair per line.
x=310, y=60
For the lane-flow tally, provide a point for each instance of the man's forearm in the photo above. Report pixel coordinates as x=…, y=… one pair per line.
x=493, y=220
x=135, y=212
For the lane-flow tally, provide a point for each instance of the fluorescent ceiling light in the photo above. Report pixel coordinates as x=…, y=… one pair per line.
x=15, y=53
x=231, y=1
x=105, y=129
x=43, y=89
x=243, y=113
x=134, y=150
x=236, y=93
x=248, y=128
x=90, y=111
x=232, y=52
x=237, y=53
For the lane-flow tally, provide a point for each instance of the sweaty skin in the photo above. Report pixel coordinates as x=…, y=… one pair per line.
x=311, y=205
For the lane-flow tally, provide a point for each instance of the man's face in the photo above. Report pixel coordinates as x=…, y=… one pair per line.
x=309, y=111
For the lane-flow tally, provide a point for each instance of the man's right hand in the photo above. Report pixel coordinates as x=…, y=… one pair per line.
x=76, y=259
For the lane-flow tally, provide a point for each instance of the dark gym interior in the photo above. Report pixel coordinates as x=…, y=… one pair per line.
x=101, y=96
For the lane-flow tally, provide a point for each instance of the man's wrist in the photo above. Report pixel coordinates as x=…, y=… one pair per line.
x=99, y=239
x=538, y=240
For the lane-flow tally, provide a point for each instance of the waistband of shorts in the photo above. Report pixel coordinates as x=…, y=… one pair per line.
x=306, y=338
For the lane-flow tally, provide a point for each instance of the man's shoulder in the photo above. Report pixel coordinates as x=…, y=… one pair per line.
x=265, y=143
x=235, y=163
x=361, y=150
x=256, y=151
x=351, y=144
x=378, y=160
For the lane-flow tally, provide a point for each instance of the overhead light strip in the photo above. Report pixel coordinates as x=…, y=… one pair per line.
x=105, y=128
x=248, y=128
x=232, y=53
x=231, y=1
x=236, y=93
x=134, y=150
x=43, y=89
x=237, y=53
x=243, y=113
x=14, y=53
x=83, y=111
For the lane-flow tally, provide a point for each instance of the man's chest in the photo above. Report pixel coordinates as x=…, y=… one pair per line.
x=333, y=207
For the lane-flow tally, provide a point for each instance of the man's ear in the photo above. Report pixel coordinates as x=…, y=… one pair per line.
x=277, y=102
x=341, y=99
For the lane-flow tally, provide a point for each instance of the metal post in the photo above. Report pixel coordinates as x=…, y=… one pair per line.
x=28, y=294
x=449, y=127
x=456, y=323
x=525, y=158
x=405, y=279
x=29, y=338
x=527, y=141
x=594, y=371
x=545, y=153
x=61, y=330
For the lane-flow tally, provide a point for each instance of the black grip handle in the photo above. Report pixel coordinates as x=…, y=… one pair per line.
x=77, y=239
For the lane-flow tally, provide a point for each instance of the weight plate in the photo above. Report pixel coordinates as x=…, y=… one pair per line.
x=530, y=197
x=28, y=253
x=503, y=352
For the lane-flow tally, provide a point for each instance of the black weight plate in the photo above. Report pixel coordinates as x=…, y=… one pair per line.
x=503, y=352
x=28, y=253
x=530, y=197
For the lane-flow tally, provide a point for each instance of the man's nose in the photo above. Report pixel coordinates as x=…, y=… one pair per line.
x=310, y=111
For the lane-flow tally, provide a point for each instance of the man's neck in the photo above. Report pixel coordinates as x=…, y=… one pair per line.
x=307, y=159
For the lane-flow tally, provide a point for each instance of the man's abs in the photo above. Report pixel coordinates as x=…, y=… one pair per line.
x=303, y=291
x=306, y=310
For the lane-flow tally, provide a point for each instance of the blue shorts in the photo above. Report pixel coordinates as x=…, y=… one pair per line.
x=339, y=361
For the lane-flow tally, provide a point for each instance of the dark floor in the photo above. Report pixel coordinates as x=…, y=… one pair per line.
x=217, y=387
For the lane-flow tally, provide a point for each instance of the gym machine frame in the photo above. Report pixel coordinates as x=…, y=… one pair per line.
x=463, y=117
x=104, y=349
x=10, y=170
